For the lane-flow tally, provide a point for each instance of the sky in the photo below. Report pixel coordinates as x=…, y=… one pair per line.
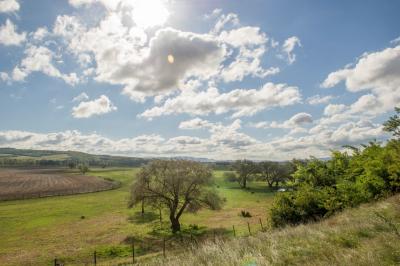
x=217, y=79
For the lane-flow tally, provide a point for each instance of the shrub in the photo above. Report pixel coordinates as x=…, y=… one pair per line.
x=230, y=177
x=245, y=214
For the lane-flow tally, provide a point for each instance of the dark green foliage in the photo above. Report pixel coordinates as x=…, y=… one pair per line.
x=324, y=187
x=245, y=214
x=393, y=124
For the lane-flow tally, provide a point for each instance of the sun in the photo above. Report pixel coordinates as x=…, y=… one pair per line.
x=149, y=13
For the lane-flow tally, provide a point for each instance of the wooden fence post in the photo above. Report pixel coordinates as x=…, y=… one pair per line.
x=95, y=258
x=133, y=251
x=214, y=235
x=248, y=226
x=55, y=262
x=164, y=246
x=262, y=227
x=234, y=231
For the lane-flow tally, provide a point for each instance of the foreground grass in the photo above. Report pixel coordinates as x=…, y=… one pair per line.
x=368, y=235
x=34, y=232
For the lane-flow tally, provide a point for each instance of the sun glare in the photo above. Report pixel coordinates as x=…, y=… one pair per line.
x=149, y=13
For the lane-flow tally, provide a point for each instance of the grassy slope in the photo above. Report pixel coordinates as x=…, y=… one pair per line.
x=33, y=232
x=355, y=237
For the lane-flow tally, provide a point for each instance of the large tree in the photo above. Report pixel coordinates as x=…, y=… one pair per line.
x=178, y=185
x=273, y=172
x=245, y=171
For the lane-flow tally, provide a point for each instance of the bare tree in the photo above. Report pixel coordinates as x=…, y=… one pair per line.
x=178, y=185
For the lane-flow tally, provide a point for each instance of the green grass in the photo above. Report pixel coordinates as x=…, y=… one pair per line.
x=367, y=235
x=38, y=230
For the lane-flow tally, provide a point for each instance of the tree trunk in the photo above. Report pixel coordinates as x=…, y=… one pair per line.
x=175, y=225
x=244, y=182
x=142, y=207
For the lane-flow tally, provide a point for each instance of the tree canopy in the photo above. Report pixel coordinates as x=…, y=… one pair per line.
x=178, y=185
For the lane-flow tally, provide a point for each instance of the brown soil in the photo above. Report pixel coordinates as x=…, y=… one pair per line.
x=37, y=183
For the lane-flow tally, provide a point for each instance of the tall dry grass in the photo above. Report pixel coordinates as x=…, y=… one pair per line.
x=367, y=235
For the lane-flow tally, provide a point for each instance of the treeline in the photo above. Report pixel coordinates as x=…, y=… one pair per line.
x=321, y=188
x=10, y=157
x=274, y=174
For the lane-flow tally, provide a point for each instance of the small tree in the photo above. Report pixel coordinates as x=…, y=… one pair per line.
x=178, y=185
x=245, y=171
x=393, y=124
x=83, y=168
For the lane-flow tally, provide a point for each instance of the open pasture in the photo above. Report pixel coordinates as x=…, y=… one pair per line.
x=37, y=183
x=35, y=231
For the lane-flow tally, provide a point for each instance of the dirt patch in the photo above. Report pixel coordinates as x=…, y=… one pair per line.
x=37, y=183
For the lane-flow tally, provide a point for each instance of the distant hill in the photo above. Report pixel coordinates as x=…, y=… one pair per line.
x=27, y=157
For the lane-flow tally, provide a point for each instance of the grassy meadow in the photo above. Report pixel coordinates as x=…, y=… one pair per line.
x=34, y=232
x=367, y=235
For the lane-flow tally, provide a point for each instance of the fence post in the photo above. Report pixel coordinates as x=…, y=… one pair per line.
x=234, y=231
x=164, y=246
x=133, y=251
x=214, y=235
x=55, y=262
x=248, y=226
x=95, y=258
x=262, y=227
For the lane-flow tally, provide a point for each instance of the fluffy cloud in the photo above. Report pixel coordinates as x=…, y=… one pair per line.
x=378, y=73
x=288, y=47
x=9, y=35
x=317, y=99
x=7, y=6
x=40, y=59
x=195, y=123
x=100, y=106
x=294, y=123
x=241, y=102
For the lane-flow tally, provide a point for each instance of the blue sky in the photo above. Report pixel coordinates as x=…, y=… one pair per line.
x=219, y=79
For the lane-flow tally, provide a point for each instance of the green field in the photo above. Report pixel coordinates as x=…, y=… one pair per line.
x=34, y=232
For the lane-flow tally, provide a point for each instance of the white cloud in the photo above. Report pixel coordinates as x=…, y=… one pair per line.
x=40, y=33
x=215, y=13
x=9, y=35
x=79, y=3
x=317, y=99
x=81, y=97
x=7, y=6
x=195, y=123
x=333, y=109
x=100, y=106
x=241, y=102
x=288, y=47
x=378, y=73
x=244, y=36
x=224, y=20
x=40, y=59
x=295, y=123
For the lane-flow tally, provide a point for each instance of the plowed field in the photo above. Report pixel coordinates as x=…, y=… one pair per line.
x=24, y=184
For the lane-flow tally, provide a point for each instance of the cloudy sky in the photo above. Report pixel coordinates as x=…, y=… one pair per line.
x=256, y=79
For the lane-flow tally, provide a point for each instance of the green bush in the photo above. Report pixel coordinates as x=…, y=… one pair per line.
x=323, y=187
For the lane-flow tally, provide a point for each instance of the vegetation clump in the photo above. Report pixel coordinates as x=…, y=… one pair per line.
x=321, y=188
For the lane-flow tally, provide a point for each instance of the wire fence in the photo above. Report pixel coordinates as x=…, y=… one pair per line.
x=134, y=250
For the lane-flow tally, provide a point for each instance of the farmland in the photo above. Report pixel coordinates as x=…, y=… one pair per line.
x=35, y=231
x=37, y=183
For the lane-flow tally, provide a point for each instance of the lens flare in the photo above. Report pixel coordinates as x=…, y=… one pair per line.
x=171, y=59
